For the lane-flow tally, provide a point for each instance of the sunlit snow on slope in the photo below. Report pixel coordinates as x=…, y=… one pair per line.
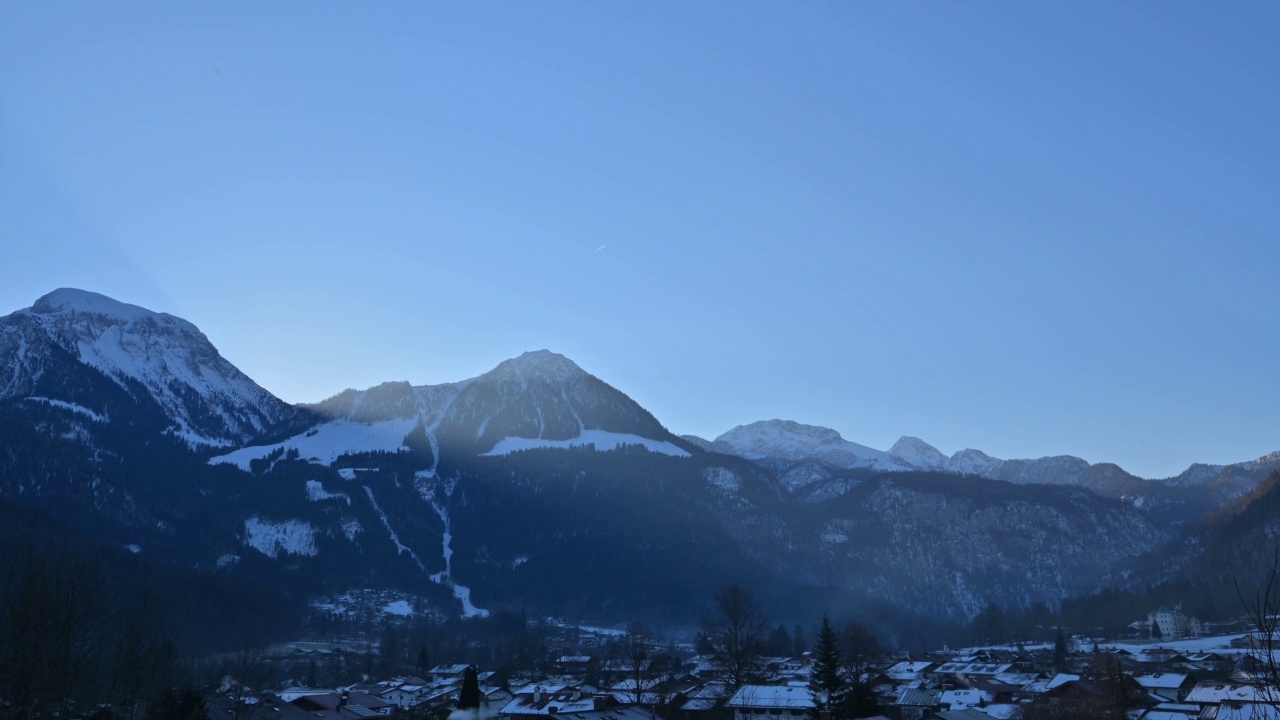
x=603, y=441
x=316, y=493
x=399, y=607
x=69, y=406
x=427, y=483
x=328, y=442
x=292, y=537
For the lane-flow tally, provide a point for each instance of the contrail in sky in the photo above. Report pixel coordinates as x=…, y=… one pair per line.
x=598, y=250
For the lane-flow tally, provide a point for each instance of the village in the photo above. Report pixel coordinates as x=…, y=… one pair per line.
x=1167, y=671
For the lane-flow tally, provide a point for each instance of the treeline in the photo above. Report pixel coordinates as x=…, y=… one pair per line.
x=1106, y=613
x=83, y=624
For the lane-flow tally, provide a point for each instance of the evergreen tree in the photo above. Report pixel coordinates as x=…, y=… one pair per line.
x=469, y=697
x=801, y=643
x=1156, y=632
x=1059, y=650
x=827, y=675
x=424, y=662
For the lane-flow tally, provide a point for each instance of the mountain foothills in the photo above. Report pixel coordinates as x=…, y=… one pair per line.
x=539, y=487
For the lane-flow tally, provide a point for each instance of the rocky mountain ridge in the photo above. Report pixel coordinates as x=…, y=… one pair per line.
x=800, y=450
x=534, y=485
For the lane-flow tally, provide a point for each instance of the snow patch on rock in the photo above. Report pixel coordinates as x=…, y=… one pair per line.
x=316, y=493
x=290, y=537
x=723, y=479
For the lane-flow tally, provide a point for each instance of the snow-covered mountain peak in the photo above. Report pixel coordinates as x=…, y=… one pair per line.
x=206, y=399
x=971, y=462
x=767, y=435
x=790, y=440
x=72, y=300
x=542, y=365
x=918, y=453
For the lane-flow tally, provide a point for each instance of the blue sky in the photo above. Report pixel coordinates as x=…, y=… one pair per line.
x=1029, y=228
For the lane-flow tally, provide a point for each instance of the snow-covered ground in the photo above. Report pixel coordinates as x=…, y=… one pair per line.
x=316, y=493
x=426, y=485
x=292, y=537
x=69, y=406
x=603, y=441
x=325, y=443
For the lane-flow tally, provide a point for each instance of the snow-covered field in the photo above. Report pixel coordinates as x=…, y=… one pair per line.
x=603, y=441
x=326, y=443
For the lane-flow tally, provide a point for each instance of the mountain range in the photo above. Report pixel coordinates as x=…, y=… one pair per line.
x=538, y=486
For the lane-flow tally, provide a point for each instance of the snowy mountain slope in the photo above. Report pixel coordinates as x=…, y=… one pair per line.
x=789, y=440
x=425, y=488
x=918, y=454
x=207, y=401
x=537, y=400
x=791, y=450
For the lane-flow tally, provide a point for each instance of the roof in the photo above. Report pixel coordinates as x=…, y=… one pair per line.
x=973, y=668
x=620, y=713
x=960, y=699
x=771, y=696
x=1214, y=693
x=1248, y=712
x=967, y=714
x=919, y=697
x=1041, y=686
x=1161, y=681
x=552, y=699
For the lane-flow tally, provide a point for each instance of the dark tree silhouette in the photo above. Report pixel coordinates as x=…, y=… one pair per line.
x=735, y=631
x=469, y=697
x=827, y=681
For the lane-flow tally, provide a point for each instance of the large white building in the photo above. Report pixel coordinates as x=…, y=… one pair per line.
x=1173, y=623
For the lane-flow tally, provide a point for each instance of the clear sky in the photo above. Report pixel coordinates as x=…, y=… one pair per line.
x=1029, y=228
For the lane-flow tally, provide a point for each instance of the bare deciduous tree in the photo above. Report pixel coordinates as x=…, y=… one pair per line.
x=1262, y=606
x=636, y=649
x=735, y=631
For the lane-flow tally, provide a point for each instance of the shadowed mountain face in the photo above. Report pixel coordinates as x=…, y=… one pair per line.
x=535, y=485
x=69, y=339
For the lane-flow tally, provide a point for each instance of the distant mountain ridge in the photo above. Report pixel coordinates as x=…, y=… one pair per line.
x=787, y=441
x=533, y=485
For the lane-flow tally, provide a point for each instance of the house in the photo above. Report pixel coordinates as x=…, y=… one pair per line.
x=1173, y=711
x=966, y=714
x=914, y=703
x=1209, y=662
x=762, y=702
x=965, y=698
x=1221, y=694
x=344, y=705
x=1172, y=623
x=533, y=702
x=952, y=671
x=1170, y=686
x=1035, y=689
x=1096, y=697
x=909, y=671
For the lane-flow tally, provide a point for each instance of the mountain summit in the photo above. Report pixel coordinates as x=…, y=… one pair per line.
x=54, y=350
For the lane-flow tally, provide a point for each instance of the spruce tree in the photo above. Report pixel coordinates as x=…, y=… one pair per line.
x=1059, y=650
x=828, y=663
x=469, y=697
